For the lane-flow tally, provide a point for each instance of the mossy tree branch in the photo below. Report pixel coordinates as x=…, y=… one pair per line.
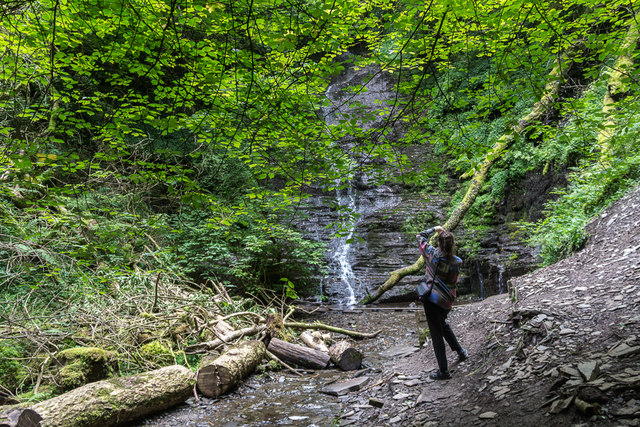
x=617, y=86
x=479, y=175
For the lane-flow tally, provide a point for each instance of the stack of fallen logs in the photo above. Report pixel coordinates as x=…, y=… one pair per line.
x=118, y=401
x=218, y=374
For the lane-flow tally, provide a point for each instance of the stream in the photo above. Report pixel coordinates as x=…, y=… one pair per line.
x=284, y=399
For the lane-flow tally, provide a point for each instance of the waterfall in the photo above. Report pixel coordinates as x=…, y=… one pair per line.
x=342, y=283
x=344, y=244
x=500, y=279
x=480, y=280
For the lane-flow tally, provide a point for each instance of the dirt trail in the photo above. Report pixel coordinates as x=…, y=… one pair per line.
x=564, y=349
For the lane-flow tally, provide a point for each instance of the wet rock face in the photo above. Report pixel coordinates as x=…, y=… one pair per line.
x=382, y=243
x=361, y=258
x=500, y=257
x=379, y=243
x=501, y=253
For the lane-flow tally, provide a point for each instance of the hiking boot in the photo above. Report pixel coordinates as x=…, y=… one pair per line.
x=462, y=355
x=437, y=375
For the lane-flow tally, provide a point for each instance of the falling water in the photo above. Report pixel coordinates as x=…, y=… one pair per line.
x=344, y=281
x=500, y=280
x=341, y=254
x=480, y=279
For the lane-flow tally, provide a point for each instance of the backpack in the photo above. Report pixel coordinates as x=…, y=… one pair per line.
x=433, y=288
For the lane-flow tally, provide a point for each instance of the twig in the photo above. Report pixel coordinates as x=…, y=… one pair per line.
x=307, y=311
x=39, y=380
x=212, y=345
x=154, y=307
x=274, y=357
x=382, y=381
x=195, y=390
x=220, y=289
x=324, y=327
x=291, y=310
x=241, y=313
x=220, y=337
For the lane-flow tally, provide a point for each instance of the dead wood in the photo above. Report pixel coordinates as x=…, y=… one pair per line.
x=276, y=359
x=324, y=327
x=299, y=355
x=219, y=374
x=314, y=341
x=212, y=345
x=345, y=356
x=118, y=401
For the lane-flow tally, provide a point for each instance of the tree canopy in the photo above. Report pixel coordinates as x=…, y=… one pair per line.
x=155, y=153
x=188, y=132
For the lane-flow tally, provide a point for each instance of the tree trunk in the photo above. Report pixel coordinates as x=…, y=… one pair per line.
x=218, y=375
x=314, y=342
x=556, y=76
x=299, y=355
x=118, y=401
x=20, y=418
x=344, y=356
x=616, y=86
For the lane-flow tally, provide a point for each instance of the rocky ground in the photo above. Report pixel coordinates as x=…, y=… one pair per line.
x=563, y=348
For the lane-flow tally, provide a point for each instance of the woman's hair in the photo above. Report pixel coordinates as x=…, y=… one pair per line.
x=447, y=244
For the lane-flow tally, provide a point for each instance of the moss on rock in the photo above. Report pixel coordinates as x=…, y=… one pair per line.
x=82, y=365
x=158, y=352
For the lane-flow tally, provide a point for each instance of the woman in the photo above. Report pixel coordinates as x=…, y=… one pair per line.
x=443, y=262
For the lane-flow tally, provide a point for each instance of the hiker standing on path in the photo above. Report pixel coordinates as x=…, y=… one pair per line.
x=443, y=263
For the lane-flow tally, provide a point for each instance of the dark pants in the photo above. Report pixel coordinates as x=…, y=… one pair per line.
x=440, y=331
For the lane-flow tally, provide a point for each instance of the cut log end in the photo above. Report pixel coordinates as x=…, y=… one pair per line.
x=218, y=375
x=345, y=356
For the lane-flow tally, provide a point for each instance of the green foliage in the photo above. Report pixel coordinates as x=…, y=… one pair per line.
x=592, y=189
x=158, y=353
x=420, y=222
x=155, y=144
x=423, y=336
x=250, y=254
x=45, y=392
x=13, y=373
x=498, y=182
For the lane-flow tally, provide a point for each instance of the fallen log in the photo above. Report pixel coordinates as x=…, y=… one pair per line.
x=118, y=400
x=324, y=327
x=20, y=418
x=345, y=356
x=299, y=355
x=212, y=345
x=219, y=374
x=314, y=342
